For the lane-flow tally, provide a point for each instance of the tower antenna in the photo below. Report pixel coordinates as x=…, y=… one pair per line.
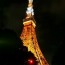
x=30, y=10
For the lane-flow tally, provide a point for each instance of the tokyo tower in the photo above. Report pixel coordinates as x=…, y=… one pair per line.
x=28, y=35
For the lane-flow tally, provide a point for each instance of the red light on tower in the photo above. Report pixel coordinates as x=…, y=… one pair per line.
x=31, y=61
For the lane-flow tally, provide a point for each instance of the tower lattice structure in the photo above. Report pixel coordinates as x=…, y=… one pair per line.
x=28, y=36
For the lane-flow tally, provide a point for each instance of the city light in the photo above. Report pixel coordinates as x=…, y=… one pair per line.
x=31, y=61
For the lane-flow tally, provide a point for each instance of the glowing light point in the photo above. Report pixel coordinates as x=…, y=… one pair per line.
x=31, y=61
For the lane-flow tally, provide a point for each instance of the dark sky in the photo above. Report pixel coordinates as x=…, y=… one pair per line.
x=49, y=16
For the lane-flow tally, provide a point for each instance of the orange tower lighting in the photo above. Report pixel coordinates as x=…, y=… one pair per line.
x=28, y=35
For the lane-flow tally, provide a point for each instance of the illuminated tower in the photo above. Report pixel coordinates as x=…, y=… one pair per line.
x=28, y=35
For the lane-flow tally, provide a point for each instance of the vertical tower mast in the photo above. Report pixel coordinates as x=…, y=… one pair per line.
x=28, y=35
x=30, y=11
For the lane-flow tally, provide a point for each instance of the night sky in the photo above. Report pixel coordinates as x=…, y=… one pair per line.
x=49, y=16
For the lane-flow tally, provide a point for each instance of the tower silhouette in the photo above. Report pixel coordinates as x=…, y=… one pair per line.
x=28, y=35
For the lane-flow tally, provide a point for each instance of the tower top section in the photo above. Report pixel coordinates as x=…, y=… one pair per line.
x=30, y=11
x=29, y=14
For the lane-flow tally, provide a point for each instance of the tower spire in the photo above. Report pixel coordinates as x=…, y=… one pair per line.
x=30, y=11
